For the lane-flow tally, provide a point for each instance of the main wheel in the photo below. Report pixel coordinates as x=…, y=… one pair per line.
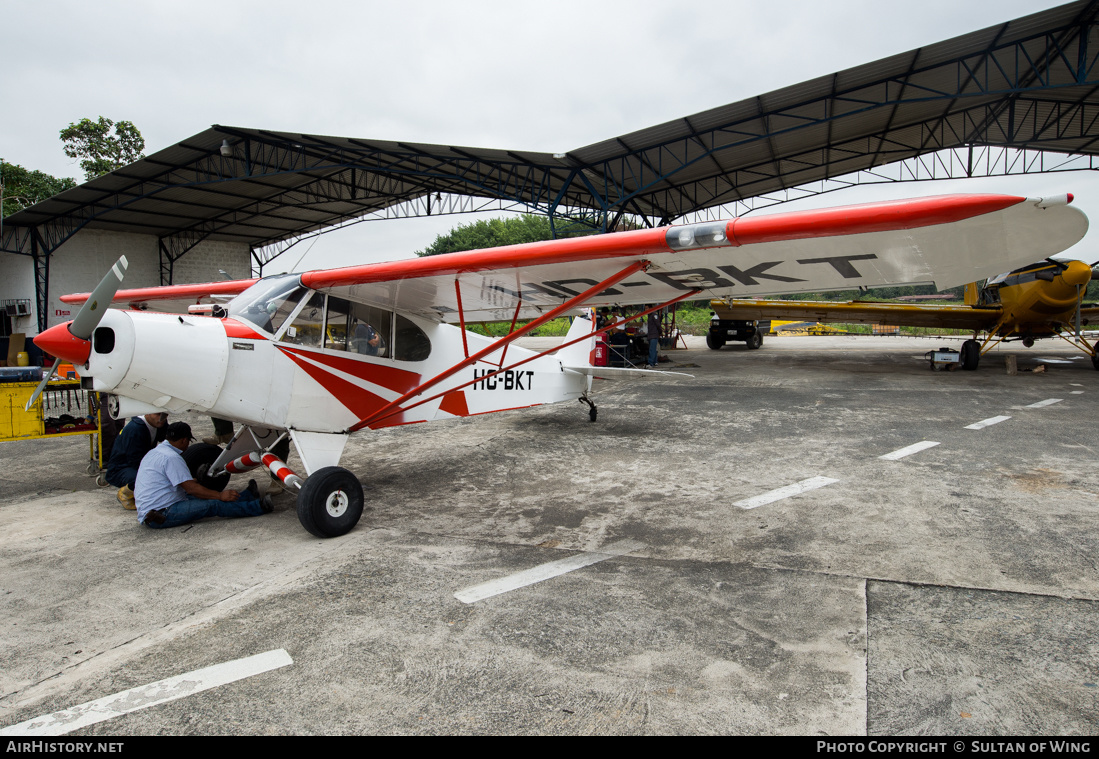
x=713, y=342
x=330, y=502
x=755, y=341
x=199, y=457
x=971, y=355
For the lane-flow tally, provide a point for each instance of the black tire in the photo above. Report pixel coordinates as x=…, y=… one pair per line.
x=199, y=457
x=1095, y=360
x=330, y=502
x=971, y=355
x=713, y=342
x=755, y=342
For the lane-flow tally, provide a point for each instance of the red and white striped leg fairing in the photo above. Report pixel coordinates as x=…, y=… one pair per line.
x=244, y=463
x=279, y=469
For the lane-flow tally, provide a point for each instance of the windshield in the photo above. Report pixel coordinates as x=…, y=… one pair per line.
x=267, y=303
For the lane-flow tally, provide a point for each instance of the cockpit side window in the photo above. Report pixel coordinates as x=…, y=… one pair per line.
x=335, y=324
x=355, y=328
x=307, y=325
x=411, y=342
x=370, y=331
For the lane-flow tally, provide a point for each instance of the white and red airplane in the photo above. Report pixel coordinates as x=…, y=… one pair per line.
x=322, y=354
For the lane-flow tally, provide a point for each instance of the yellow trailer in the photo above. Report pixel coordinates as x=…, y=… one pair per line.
x=62, y=410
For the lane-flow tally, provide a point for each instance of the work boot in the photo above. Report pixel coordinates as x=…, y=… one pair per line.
x=126, y=498
x=218, y=439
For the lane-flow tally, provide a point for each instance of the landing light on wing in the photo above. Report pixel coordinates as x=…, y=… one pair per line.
x=1055, y=200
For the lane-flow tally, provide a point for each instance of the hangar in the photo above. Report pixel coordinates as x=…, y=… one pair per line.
x=1016, y=98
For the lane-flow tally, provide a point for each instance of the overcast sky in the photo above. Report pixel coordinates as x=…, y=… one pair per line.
x=531, y=76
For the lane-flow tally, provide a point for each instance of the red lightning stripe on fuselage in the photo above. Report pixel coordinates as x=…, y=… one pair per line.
x=357, y=399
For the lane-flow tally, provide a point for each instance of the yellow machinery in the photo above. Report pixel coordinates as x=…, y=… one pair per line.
x=63, y=410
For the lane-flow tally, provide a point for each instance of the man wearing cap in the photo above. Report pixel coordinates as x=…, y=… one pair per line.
x=168, y=496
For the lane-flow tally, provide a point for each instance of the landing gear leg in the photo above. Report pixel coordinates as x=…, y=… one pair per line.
x=592, y=411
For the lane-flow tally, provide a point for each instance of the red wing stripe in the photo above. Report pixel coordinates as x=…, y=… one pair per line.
x=172, y=292
x=871, y=217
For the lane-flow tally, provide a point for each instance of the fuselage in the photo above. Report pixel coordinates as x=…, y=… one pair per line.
x=1038, y=300
x=290, y=358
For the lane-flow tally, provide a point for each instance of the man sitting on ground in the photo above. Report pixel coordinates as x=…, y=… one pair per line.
x=137, y=438
x=168, y=496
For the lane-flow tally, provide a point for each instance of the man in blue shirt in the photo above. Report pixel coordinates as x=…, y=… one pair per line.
x=168, y=496
x=136, y=439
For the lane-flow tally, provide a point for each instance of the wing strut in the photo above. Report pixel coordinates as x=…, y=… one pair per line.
x=555, y=348
x=461, y=316
x=574, y=302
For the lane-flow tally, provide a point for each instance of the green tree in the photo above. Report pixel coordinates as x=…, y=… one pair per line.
x=23, y=187
x=99, y=150
x=491, y=233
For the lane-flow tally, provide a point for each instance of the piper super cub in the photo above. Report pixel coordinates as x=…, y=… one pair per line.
x=322, y=354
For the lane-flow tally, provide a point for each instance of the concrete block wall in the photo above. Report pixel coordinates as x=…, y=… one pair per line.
x=79, y=264
x=17, y=282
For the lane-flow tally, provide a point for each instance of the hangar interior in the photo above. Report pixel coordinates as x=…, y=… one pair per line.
x=1017, y=98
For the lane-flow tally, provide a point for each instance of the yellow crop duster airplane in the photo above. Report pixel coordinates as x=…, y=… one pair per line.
x=1043, y=299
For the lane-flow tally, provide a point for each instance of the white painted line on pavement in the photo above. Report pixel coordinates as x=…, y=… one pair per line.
x=1046, y=402
x=1077, y=392
x=987, y=422
x=790, y=490
x=900, y=453
x=544, y=572
x=109, y=707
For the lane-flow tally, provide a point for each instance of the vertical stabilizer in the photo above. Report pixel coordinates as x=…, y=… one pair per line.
x=583, y=353
x=972, y=294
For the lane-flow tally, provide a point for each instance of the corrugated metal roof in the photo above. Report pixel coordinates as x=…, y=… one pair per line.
x=1028, y=83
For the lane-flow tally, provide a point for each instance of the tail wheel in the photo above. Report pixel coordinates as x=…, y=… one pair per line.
x=971, y=355
x=330, y=502
x=199, y=457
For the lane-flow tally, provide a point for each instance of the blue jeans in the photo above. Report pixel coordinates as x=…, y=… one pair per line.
x=123, y=476
x=654, y=344
x=192, y=509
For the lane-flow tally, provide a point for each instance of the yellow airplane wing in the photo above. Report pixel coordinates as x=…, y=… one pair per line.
x=862, y=312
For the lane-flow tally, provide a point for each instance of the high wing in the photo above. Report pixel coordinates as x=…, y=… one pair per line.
x=172, y=298
x=945, y=241
x=863, y=312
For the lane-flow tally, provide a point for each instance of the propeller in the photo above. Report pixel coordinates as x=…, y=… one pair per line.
x=80, y=329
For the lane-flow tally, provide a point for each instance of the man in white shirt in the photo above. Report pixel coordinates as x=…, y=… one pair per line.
x=167, y=494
